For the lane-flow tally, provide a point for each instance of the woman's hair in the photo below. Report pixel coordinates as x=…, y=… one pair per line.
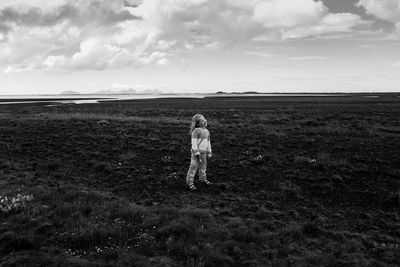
x=195, y=122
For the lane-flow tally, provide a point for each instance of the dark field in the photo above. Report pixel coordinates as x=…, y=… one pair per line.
x=112, y=193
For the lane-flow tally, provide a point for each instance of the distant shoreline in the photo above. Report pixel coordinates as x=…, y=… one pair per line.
x=88, y=98
x=47, y=99
x=93, y=95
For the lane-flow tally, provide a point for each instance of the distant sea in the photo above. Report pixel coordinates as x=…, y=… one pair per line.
x=96, y=98
x=85, y=98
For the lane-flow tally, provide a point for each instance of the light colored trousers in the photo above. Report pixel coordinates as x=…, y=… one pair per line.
x=196, y=164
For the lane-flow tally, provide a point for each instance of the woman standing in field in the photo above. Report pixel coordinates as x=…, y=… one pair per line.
x=201, y=150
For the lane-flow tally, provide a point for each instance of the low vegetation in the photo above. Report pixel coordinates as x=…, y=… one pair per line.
x=296, y=183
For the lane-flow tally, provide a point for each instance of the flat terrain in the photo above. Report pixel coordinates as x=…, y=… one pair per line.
x=298, y=181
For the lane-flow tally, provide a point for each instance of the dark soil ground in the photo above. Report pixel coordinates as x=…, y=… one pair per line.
x=298, y=181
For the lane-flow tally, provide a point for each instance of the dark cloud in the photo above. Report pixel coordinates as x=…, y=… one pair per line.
x=95, y=13
x=107, y=16
x=36, y=17
x=131, y=3
x=344, y=6
x=353, y=6
x=3, y=27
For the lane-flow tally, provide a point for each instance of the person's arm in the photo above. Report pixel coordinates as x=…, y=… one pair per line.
x=209, y=153
x=195, y=146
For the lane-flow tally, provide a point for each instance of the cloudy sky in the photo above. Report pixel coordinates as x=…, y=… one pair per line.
x=50, y=46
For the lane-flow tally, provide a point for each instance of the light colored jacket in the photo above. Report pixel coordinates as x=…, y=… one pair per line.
x=201, y=141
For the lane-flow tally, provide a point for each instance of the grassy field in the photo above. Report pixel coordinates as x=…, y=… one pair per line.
x=298, y=181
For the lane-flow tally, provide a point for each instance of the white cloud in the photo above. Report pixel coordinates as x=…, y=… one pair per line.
x=92, y=34
x=12, y=69
x=163, y=62
x=231, y=22
x=98, y=54
x=259, y=54
x=388, y=10
x=310, y=58
x=288, y=13
x=93, y=54
x=40, y=34
x=328, y=24
x=119, y=85
x=165, y=45
x=395, y=64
